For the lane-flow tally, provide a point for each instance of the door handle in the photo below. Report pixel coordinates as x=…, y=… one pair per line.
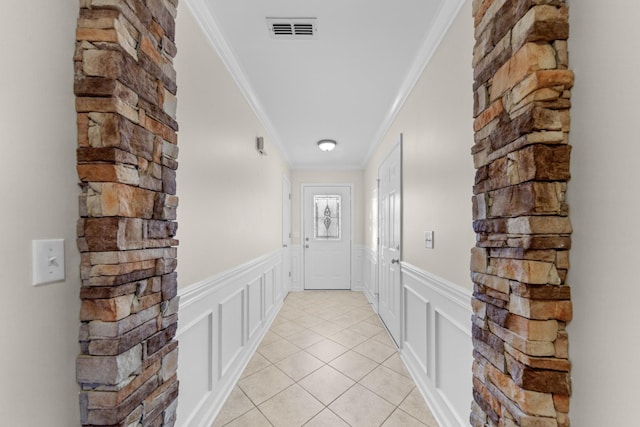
x=285, y=245
x=306, y=246
x=395, y=261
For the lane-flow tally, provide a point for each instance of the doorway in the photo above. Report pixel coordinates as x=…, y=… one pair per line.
x=326, y=236
x=390, y=232
x=286, y=233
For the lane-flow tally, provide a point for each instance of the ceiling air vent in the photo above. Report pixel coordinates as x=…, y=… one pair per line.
x=292, y=28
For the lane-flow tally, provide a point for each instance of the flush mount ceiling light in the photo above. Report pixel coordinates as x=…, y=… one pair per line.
x=327, y=144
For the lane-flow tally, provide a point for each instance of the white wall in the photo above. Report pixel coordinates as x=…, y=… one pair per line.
x=299, y=177
x=39, y=194
x=230, y=197
x=605, y=207
x=437, y=124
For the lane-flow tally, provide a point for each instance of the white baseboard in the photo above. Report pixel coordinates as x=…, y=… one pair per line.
x=222, y=321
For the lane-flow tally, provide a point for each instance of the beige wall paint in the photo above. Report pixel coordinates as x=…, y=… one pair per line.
x=40, y=324
x=230, y=197
x=437, y=125
x=605, y=207
x=299, y=177
x=39, y=194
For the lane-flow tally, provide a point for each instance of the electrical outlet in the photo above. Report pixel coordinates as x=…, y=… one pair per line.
x=428, y=239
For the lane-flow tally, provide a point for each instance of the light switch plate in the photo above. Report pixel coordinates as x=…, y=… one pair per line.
x=48, y=261
x=428, y=239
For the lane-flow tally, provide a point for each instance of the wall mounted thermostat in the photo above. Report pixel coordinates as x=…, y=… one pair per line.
x=428, y=239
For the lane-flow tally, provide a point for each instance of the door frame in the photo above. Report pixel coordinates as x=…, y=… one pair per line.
x=286, y=233
x=302, y=224
x=400, y=145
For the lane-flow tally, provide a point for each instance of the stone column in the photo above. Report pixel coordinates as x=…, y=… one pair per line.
x=125, y=87
x=521, y=302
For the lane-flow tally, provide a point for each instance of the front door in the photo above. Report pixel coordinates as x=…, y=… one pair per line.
x=327, y=236
x=390, y=232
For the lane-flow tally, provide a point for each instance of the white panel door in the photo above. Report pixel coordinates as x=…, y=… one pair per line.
x=286, y=237
x=390, y=232
x=327, y=237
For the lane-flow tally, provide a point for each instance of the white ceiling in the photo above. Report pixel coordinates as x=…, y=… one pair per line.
x=346, y=84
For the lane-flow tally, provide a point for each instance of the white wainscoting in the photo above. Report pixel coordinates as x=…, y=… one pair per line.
x=357, y=262
x=370, y=276
x=296, y=267
x=222, y=321
x=436, y=344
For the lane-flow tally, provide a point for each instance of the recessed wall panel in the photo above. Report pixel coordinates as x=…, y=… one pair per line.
x=416, y=326
x=453, y=364
x=268, y=291
x=254, y=309
x=231, y=336
x=195, y=363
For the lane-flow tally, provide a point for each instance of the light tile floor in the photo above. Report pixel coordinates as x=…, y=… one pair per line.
x=326, y=361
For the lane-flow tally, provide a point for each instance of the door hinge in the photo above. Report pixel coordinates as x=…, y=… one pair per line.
x=289, y=274
x=289, y=234
x=378, y=239
x=289, y=196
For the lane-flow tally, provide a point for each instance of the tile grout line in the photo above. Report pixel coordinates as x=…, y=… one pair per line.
x=339, y=310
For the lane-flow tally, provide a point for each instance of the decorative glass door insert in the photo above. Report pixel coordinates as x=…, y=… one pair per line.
x=327, y=217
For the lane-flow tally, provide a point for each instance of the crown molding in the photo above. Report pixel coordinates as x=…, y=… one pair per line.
x=447, y=14
x=209, y=24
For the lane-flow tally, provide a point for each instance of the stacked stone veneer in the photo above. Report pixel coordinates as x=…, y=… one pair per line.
x=521, y=302
x=125, y=87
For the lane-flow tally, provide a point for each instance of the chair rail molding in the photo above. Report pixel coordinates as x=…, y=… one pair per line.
x=222, y=321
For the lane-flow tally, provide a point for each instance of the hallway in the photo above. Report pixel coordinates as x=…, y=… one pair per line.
x=326, y=361
x=99, y=106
